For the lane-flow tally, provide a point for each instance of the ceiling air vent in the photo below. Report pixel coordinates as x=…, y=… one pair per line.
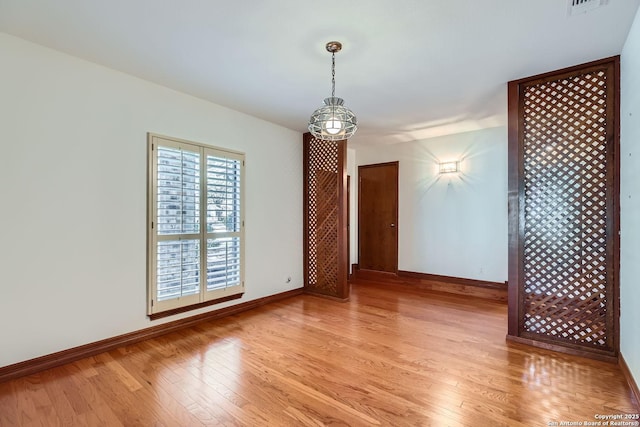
x=576, y=7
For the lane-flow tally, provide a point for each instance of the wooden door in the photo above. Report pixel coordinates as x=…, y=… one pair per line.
x=378, y=217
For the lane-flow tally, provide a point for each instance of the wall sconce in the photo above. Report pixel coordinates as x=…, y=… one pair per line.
x=448, y=167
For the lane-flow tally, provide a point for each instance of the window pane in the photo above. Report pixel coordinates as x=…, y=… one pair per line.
x=178, y=269
x=223, y=195
x=223, y=262
x=178, y=191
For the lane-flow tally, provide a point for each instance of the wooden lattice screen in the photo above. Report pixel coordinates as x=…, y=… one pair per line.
x=325, y=216
x=564, y=208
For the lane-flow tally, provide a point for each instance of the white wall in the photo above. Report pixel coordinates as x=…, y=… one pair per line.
x=630, y=200
x=73, y=186
x=451, y=224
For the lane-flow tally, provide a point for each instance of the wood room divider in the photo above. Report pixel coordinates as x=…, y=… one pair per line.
x=325, y=217
x=564, y=209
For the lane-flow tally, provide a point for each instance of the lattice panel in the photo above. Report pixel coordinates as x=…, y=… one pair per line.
x=323, y=216
x=565, y=210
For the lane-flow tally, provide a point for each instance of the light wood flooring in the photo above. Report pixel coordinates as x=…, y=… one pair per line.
x=392, y=356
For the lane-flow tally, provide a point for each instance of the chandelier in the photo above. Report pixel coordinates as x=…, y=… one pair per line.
x=333, y=121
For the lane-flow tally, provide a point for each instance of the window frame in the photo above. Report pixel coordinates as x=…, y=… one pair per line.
x=161, y=308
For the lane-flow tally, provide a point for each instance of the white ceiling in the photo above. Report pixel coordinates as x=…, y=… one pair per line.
x=409, y=69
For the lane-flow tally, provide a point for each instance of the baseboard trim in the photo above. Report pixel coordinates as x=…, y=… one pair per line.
x=63, y=357
x=630, y=380
x=562, y=349
x=329, y=297
x=496, y=291
x=454, y=280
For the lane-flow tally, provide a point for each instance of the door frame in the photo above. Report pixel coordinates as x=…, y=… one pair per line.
x=396, y=165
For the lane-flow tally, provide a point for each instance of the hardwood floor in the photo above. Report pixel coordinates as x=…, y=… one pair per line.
x=392, y=356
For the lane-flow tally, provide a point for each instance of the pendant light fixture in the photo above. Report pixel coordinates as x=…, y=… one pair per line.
x=333, y=121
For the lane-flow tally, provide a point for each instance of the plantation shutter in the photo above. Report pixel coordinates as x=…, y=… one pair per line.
x=223, y=221
x=189, y=182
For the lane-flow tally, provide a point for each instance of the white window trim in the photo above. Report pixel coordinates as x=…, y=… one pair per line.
x=197, y=300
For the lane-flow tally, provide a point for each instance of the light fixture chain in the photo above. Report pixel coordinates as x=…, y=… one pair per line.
x=333, y=74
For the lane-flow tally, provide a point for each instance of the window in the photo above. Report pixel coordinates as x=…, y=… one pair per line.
x=195, y=225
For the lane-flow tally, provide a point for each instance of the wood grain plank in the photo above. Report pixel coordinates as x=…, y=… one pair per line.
x=391, y=356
